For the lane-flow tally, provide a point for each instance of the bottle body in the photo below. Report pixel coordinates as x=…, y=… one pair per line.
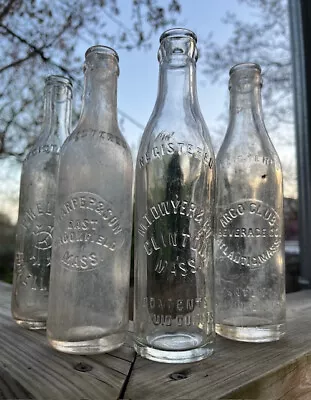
x=174, y=304
x=34, y=240
x=249, y=246
x=36, y=211
x=88, y=305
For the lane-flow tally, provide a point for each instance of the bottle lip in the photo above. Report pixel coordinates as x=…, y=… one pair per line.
x=58, y=79
x=100, y=49
x=244, y=67
x=178, y=33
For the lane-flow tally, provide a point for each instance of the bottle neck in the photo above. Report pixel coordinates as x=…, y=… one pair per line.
x=245, y=105
x=177, y=87
x=57, y=112
x=99, y=106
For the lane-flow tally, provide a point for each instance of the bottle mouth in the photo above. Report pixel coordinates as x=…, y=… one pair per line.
x=177, y=46
x=105, y=50
x=178, y=33
x=53, y=79
x=244, y=76
x=245, y=67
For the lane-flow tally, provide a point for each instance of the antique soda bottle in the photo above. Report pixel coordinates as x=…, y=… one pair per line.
x=36, y=208
x=249, y=252
x=175, y=178
x=88, y=305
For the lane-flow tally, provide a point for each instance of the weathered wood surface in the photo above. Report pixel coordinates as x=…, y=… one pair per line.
x=30, y=369
x=272, y=371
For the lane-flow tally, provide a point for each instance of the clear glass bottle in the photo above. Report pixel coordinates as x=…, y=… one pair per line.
x=249, y=248
x=88, y=305
x=36, y=208
x=175, y=178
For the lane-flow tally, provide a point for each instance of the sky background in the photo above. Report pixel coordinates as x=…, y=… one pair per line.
x=137, y=96
x=138, y=83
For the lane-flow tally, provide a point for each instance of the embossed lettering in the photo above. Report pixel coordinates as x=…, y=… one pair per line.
x=154, y=212
x=99, y=135
x=142, y=230
x=168, y=148
x=250, y=261
x=182, y=320
x=81, y=262
x=233, y=237
x=47, y=148
x=86, y=227
x=165, y=135
x=92, y=203
x=172, y=207
x=177, y=268
x=247, y=158
x=175, y=206
x=41, y=209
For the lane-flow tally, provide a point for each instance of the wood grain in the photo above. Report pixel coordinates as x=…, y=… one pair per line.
x=280, y=370
x=290, y=382
x=30, y=369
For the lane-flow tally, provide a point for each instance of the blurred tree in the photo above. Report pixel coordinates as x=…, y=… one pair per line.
x=265, y=40
x=40, y=37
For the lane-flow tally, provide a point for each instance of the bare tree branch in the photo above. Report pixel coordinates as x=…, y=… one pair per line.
x=265, y=40
x=7, y=8
x=16, y=63
x=41, y=37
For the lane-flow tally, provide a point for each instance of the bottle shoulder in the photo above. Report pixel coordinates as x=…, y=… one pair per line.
x=247, y=133
x=102, y=142
x=159, y=131
x=49, y=136
x=41, y=159
x=248, y=167
x=247, y=149
x=39, y=178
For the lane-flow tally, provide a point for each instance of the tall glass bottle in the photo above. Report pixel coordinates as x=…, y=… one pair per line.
x=249, y=254
x=175, y=174
x=36, y=208
x=88, y=305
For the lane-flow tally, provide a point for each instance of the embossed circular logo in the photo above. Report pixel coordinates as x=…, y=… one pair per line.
x=86, y=228
x=248, y=232
x=43, y=236
x=34, y=244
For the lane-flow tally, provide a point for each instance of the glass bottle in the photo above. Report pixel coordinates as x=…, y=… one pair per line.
x=88, y=305
x=36, y=208
x=175, y=174
x=249, y=249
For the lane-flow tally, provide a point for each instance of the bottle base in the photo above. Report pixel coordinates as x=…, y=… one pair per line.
x=92, y=346
x=174, y=348
x=32, y=325
x=252, y=334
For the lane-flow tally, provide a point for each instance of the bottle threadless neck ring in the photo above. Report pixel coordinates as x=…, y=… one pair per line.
x=245, y=67
x=104, y=50
x=54, y=79
x=176, y=33
x=244, y=76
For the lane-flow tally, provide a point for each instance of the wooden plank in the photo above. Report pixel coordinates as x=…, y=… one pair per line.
x=237, y=370
x=274, y=371
x=10, y=388
x=5, y=295
x=288, y=383
x=30, y=369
